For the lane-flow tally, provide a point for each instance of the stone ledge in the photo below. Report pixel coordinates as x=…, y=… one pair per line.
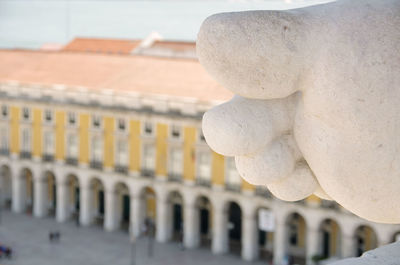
x=386, y=255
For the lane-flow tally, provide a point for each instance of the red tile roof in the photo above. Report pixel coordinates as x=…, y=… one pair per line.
x=101, y=45
x=144, y=74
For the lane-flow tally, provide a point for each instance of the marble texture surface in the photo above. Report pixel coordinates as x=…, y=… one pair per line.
x=317, y=107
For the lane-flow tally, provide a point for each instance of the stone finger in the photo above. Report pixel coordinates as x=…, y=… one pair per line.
x=244, y=126
x=300, y=184
x=275, y=162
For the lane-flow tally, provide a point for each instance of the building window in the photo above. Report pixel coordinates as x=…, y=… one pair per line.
x=148, y=157
x=4, y=111
x=48, y=116
x=71, y=118
x=121, y=125
x=96, y=121
x=232, y=175
x=204, y=166
x=175, y=132
x=121, y=153
x=72, y=145
x=97, y=154
x=176, y=159
x=26, y=140
x=26, y=114
x=4, y=138
x=148, y=129
x=48, y=142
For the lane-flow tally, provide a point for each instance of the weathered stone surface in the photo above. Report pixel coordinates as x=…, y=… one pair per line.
x=318, y=107
x=386, y=255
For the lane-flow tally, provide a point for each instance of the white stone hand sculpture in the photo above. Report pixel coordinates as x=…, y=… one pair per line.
x=318, y=101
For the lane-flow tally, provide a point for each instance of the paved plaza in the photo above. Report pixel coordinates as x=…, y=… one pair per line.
x=29, y=240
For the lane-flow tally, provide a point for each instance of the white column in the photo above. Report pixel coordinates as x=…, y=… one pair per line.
x=62, y=211
x=347, y=245
x=111, y=211
x=40, y=197
x=312, y=247
x=164, y=225
x=191, y=229
x=250, y=249
x=18, y=194
x=220, y=231
x=85, y=200
x=136, y=215
x=279, y=241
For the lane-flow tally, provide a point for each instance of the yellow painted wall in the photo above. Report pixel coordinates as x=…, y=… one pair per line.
x=29, y=185
x=50, y=189
x=247, y=186
x=334, y=237
x=151, y=205
x=313, y=199
x=370, y=241
x=84, y=138
x=59, y=135
x=218, y=169
x=72, y=184
x=109, y=128
x=14, y=129
x=134, y=146
x=189, y=141
x=37, y=133
x=161, y=149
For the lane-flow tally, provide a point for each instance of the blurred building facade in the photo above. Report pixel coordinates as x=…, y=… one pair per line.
x=115, y=139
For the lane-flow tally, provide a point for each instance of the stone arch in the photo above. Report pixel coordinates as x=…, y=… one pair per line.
x=365, y=239
x=204, y=209
x=147, y=211
x=265, y=238
x=25, y=190
x=295, y=238
x=5, y=186
x=51, y=192
x=149, y=197
x=123, y=205
x=73, y=194
x=330, y=238
x=234, y=226
x=176, y=204
x=396, y=237
x=97, y=189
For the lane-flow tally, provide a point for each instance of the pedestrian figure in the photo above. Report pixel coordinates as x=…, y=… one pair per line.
x=51, y=237
x=8, y=253
x=57, y=236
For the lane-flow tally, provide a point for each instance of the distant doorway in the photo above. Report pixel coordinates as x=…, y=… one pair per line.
x=235, y=228
x=204, y=207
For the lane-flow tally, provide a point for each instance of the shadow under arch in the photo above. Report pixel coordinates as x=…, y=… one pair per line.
x=329, y=239
x=26, y=191
x=51, y=193
x=365, y=239
x=204, y=210
x=123, y=205
x=265, y=233
x=296, y=231
x=5, y=187
x=234, y=226
x=97, y=201
x=175, y=203
x=73, y=197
